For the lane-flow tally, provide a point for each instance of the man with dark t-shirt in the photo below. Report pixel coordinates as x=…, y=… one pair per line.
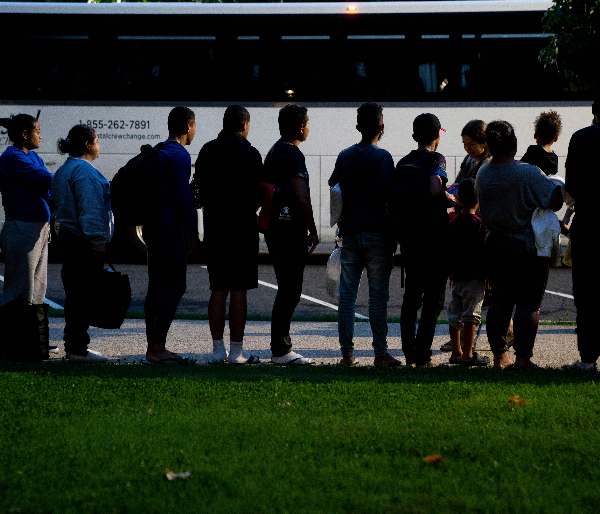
x=292, y=234
x=364, y=172
x=228, y=173
x=422, y=229
x=172, y=231
x=581, y=169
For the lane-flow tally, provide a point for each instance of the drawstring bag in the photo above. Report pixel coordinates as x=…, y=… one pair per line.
x=24, y=331
x=109, y=299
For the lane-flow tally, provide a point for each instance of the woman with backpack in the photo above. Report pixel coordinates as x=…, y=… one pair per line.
x=84, y=226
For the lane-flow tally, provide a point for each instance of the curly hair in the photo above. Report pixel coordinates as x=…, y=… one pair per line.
x=548, y=126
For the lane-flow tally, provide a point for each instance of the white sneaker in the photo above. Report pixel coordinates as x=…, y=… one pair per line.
x=53, y=349
x=586, y=366
x=90, y=358
x=292, y=359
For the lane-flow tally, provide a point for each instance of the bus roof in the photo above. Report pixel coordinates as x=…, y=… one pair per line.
x=262, y=9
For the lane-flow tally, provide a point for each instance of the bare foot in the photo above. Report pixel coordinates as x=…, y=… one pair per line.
x=501, y=360
x=524, y=363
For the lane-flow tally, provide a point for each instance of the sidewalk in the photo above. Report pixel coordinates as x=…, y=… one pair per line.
x=555, y=344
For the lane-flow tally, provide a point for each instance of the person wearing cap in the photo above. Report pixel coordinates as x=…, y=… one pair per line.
x=420, y=206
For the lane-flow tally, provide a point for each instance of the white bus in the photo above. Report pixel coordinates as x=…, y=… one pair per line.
x=122, y=67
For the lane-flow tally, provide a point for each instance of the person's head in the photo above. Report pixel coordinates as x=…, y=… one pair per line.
x=369, y=120
x=548, y=126
x=81, y=141
x=23, y=131
x=473, y=138
x=182, y=123
x=236, y=119
x=427, y=130
x=467, y=196
x=293, y=122
x=501, y=139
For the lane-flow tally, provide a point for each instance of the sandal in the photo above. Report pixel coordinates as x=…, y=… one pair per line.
x=351, y=365
x=476, y=360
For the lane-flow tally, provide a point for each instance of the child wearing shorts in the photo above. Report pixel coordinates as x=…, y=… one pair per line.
x=467, y=277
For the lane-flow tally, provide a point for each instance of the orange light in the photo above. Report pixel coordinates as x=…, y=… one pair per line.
x=352, y=8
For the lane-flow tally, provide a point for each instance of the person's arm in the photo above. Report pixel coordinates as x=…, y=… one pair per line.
x=438, y=192
x=91, y=211
x=30, y=174
x=571, y=167
x=556, y=200
x=301, y=191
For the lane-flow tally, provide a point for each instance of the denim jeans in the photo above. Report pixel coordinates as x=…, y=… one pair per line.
x=376, y=253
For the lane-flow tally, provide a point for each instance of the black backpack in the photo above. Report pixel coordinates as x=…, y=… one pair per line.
x=134, y=190
x=410, y=190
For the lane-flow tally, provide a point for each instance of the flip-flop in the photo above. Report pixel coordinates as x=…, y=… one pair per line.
x=167, y=360
x=356, y=361
x=253, y=359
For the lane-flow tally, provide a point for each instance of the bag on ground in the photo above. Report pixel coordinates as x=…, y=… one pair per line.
x=134, y=191
x=24, y=331
x=110, y=296
x=334, y=270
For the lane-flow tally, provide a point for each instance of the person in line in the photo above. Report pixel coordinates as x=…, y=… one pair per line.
x=473, y=138
x=364, y=172
x=228, y=173
x=580, y=167
x=84, y=227
x=292, y=233
x=422, y=230
x=474, y=143
x=467, y=277
x=509, y=191
x=25, y=188
x=548, y=127
x=171, y=231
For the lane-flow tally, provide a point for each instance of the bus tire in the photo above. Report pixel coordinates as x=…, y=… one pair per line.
x=136, y=241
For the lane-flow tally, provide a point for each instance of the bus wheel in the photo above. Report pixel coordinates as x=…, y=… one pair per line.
x=136, y=240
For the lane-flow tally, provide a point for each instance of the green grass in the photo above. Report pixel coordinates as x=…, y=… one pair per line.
x=99, y=439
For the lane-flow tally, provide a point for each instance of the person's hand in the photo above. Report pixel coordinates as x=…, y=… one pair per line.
x=193, y=244
x=564, y=228
x=314, y=241
x=99, y=251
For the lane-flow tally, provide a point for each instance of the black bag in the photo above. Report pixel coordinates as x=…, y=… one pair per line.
x=110, y=297
x=134, y=191
x=24, y=331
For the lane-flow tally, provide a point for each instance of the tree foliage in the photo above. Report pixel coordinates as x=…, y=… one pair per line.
x=574, y=45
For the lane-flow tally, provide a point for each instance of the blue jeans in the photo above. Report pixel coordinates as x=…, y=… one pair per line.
x=376, y=253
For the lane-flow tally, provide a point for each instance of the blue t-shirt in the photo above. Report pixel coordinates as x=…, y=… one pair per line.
x=173, y=177
x=364, y=173
x=25, y=185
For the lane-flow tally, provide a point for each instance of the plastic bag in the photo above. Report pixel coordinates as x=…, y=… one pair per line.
x=546, y=230
x=334, y=270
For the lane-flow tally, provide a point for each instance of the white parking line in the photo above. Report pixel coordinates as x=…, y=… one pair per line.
x=309, y=298
x=49, y=302
x=561, y=294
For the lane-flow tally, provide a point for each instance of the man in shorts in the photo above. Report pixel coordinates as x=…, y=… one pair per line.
x=228, y=173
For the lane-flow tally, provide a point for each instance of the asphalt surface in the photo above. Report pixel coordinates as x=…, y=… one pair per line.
x=260, y=301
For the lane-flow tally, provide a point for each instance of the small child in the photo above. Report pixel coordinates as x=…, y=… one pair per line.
x=548, y=126
x=467, y=276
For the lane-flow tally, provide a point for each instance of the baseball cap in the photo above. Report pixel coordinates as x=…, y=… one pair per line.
x=427, y=123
